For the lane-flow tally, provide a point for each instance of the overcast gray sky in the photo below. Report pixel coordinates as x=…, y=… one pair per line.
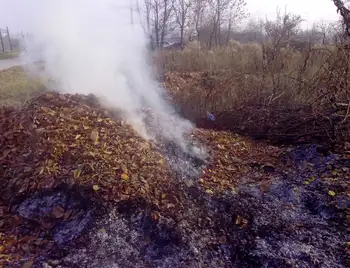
x=11, y=11
x=310, y=10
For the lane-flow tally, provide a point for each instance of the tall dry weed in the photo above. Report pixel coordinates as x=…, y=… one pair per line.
x=264, y=76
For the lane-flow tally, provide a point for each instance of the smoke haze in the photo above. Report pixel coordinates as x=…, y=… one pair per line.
x=90, y=46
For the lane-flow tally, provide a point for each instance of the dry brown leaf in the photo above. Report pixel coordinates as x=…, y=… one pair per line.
x=155, y=216
x=94, y=136
x=28, y=264
x=76, y=173
x=58, y=212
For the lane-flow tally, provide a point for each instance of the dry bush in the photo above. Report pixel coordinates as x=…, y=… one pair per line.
x=195, y=59
x=277, y=84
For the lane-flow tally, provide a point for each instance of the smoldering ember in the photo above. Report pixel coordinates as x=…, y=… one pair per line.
x=234, y=152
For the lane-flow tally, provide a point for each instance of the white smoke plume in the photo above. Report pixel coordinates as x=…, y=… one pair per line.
x=90, y=46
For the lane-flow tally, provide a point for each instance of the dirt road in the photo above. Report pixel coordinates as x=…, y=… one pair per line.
x=8, y=63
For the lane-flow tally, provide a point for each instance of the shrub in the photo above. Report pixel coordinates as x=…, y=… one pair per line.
x=313, y=80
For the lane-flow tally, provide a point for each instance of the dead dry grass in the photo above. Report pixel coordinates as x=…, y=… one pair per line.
x=16, y=87
x=265, y=70
x=240, y=77
x=9, y=54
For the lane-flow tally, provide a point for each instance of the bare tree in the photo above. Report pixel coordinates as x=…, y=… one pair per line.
x=156, y=8
x=345, y=13
x=157, y=17
x=199, y=9
x=281, y=30
x=252, y=32
x=325, y=31
x=144, y=10
x=182, y=8
x=210, y=19
x=167, y=9
x=225, y=13
x=237, y=12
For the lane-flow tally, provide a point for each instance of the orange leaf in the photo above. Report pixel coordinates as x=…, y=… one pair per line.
x=155, y=216
x=125, y=176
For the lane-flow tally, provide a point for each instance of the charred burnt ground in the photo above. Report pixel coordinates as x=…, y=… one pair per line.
x=291, y=221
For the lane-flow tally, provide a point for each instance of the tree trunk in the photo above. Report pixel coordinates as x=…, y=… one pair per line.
x=165, y=16
x=156, y=24
x=182, y=37
x=212, y=34
x=229, y=29
x=218, y=24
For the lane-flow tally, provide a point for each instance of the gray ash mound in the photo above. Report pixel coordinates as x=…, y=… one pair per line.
x=290, y=223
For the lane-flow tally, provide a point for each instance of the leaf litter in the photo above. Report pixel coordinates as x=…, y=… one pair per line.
x=70, y=168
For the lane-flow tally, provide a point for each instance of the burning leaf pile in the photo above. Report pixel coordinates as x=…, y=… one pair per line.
x=58, y=139
x=63, y=140
x=73, y=173
x=235, y=160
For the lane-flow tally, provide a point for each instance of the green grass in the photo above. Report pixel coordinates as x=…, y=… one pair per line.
x=9, y=54
x=16, y=87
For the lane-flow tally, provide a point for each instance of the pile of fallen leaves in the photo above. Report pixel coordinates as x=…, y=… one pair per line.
x=235, y=160
x=63, y=139
x=69, y=144
x=69, y=140
x=60, y=139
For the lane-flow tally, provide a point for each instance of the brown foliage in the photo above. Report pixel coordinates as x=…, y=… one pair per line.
x=58, y=139
x=270, y=90
x=69, y=141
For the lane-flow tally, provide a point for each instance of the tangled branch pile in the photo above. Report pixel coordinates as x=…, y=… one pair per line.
x=322, y=116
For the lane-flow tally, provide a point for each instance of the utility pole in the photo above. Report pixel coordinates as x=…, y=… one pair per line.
x=9, y=37
x=131, y=13
x=2, y=41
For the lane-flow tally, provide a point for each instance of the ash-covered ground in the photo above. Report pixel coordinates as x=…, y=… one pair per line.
x=292, y=222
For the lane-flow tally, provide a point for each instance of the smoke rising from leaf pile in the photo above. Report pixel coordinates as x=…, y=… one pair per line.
x=91, y=47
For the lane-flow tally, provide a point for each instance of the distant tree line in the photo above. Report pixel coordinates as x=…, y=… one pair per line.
x=208, y=21
x=216, y=22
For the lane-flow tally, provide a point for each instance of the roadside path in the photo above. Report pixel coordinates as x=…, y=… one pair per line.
x=8, y=63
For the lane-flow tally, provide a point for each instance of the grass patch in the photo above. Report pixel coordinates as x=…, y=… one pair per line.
x=16, y=87
x=9, y=54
